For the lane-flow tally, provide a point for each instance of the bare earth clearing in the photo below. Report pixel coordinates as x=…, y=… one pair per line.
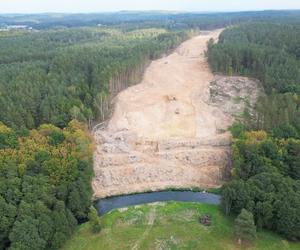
x=170, y=130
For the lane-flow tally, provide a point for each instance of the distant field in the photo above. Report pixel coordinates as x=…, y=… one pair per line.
x=172, y=225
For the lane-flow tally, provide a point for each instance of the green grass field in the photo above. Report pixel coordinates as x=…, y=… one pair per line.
x=172, y=225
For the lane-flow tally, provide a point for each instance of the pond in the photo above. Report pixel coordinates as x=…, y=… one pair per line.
x=105, y=205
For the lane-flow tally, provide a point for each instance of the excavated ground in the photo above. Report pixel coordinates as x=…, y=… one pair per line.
x=171, y=129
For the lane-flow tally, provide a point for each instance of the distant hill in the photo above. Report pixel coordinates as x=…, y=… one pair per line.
x=166, y=19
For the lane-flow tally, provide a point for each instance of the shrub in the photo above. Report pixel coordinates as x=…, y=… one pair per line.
x=94, y=220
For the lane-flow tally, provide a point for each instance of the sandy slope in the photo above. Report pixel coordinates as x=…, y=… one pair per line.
x=165, y=132
x=171, y=100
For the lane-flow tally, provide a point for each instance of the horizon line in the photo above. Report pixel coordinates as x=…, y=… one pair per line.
x=118, y=11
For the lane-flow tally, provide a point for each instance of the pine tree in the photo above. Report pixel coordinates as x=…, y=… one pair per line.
x=245, y=229
x=94, y=220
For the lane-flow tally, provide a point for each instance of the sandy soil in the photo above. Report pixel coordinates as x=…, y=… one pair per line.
x=165, y=131
x=171, y=101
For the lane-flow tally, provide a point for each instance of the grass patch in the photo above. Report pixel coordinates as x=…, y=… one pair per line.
x=175, y=226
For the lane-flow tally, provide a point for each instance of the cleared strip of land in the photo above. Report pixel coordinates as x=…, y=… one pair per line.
x=166, y=131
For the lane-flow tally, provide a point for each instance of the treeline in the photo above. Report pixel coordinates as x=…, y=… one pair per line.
x=129, y=20
x=55, y=76
x=266, y=149
x=45, y=186
x=279, y=114
x=269, y=52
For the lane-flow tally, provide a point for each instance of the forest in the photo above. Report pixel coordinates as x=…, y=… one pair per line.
x=53, y=84
x=268, y=52
x=266, y=148
x=44, y=185
x=58, y=75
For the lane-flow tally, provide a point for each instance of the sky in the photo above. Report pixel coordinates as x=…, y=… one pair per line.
x=83, y=6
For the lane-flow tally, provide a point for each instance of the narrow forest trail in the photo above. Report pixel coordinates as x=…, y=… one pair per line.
x=165, y=132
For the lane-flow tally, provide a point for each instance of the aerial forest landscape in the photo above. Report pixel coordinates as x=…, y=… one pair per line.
x=149, y=125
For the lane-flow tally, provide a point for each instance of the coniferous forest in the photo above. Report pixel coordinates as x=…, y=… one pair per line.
x=59, y=78
x=59, y=75
x=266, y=149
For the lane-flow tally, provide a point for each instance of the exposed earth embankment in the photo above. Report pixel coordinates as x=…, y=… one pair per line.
x=171, y=129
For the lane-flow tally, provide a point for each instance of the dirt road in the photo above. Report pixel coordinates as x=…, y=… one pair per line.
x=165, y=132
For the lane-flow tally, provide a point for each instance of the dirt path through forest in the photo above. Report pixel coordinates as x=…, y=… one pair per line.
x=165, y=132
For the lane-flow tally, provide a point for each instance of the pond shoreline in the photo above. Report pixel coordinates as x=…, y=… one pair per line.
x=192, y=189
x=105, y=205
